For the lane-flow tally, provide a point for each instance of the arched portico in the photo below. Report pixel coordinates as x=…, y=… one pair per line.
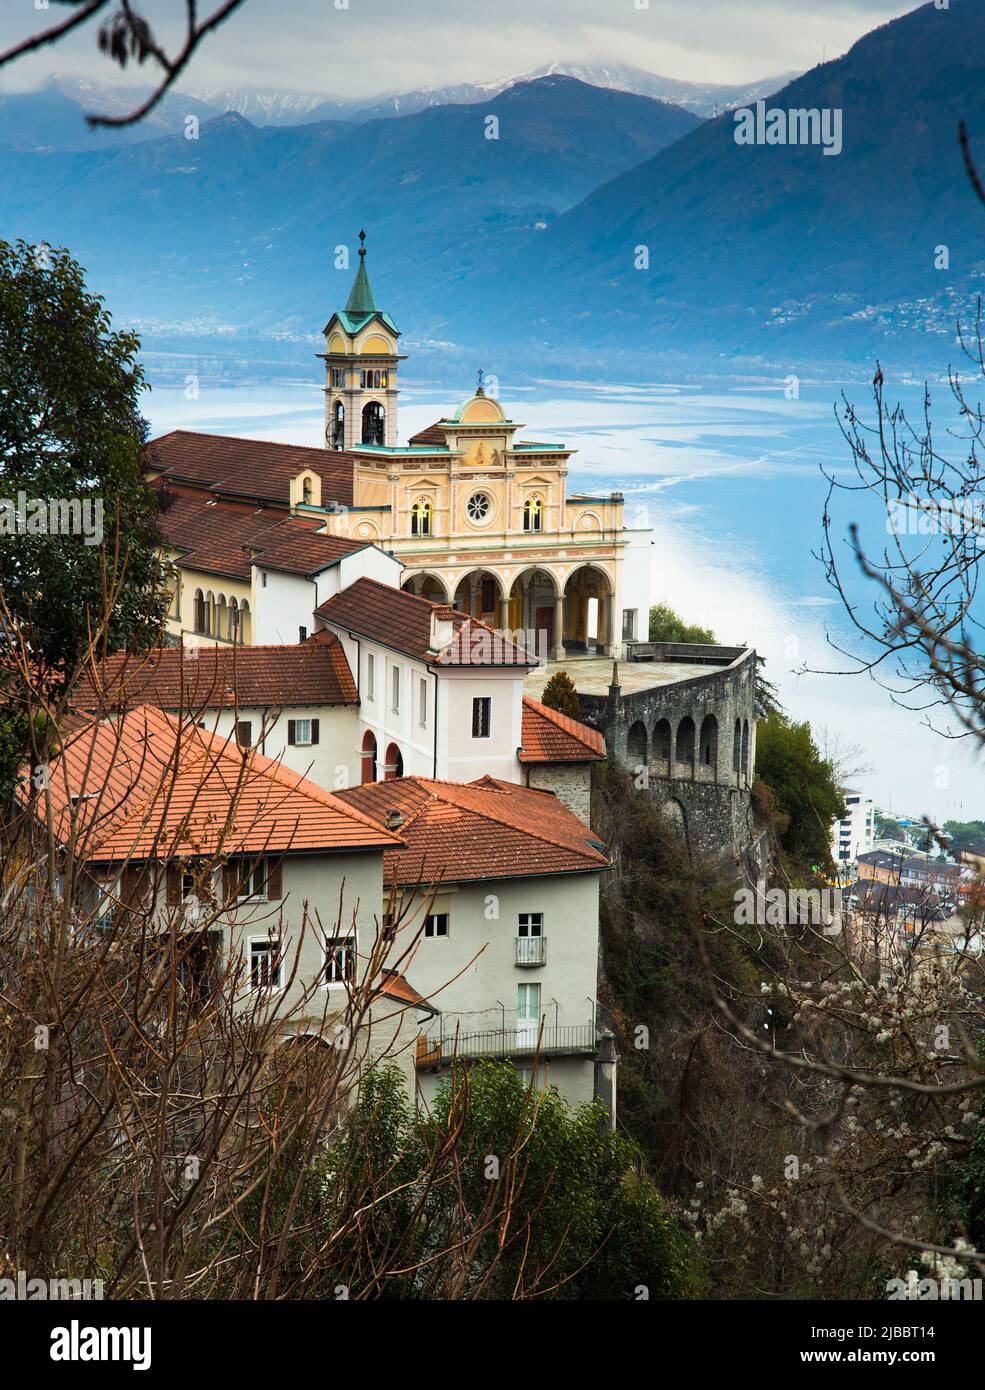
x=426, y=585
x=588, y=602
x=480, y=594
x=534, y=606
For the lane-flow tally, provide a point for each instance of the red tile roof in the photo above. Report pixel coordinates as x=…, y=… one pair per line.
x=315, y=672
x=150, y=786
x=396, y=986
x=223, y=539
x=434, y=434
x=402, y=621
x=550, y=737
x=253, y=468
x=455, y=832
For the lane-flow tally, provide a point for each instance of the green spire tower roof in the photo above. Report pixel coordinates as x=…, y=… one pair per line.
x=361, y=300
x=361, y=304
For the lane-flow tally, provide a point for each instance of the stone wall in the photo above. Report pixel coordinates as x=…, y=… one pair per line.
x=693, y=742
x=571, y=783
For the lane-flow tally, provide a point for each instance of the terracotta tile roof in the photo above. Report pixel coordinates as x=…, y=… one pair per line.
x=402, y=621
x=253, y=468
x=434, y=434
x=456, y=832
x=315, y=672
x=550, y=737
x=222, y=539
x=396, y=986
x=152, y=786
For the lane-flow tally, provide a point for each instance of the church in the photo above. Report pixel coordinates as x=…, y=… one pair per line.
x=478, y=517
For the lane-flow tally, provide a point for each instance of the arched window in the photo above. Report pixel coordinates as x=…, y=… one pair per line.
x=234, y=623
x=737, y=747
x=745, y=748
x=368, y=772
x=393, y=766
x=200, y=614
x=244, y=622
x=420, y=517
x=221, y=617
x=684, y=752
x=338, y=426
x=662, y=741
x=709, y=741
x=636, y=745
x=210, y=613
x=306, y=492
x=374, y=424
x=533, y=514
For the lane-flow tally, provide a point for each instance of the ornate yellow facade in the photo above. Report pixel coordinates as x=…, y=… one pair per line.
x=480, y=518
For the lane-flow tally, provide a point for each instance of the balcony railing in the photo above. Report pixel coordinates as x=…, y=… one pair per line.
x=531, y=950
x=571, y=1039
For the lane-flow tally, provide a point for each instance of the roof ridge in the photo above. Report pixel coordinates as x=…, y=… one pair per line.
x=244, y=439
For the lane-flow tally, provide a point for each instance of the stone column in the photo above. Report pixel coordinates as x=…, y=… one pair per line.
x=558, y=652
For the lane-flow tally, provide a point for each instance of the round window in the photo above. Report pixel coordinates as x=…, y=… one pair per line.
x=478, y=507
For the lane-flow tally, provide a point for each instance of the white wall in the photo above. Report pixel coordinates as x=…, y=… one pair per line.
x=282, y=603
x=333, y=763
x=634, y=583
x=462, y=758
x=369, y=563
x=472, y=974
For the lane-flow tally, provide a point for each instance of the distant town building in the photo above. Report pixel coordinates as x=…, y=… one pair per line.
x=854, y=834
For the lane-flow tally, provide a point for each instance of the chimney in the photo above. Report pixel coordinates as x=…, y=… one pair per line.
x=442, y=628
x=394, y=820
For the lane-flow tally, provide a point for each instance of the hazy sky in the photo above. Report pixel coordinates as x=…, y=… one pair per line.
x=372, y=46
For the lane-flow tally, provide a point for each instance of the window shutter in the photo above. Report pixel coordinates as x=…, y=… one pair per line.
x=291, y=727
x=275, y=878
x=174, y=885
x=230, y=882
x=314, y=731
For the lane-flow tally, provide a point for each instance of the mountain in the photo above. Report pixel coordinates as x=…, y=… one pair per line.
x=781, y=248
x=241, y=225
x=703, y=99
x=269, y=106
x=53, y=118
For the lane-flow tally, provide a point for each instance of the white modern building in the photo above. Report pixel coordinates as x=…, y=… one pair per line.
x=855, y=833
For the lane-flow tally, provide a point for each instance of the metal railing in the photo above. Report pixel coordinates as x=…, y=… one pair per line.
x=531, y=950
x=572, y=1039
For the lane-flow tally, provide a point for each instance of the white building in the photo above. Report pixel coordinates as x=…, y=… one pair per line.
x=440, y=694
x=855, y=834
x=504, y=884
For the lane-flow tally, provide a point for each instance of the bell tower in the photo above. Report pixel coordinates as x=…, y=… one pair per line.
x=361, y=361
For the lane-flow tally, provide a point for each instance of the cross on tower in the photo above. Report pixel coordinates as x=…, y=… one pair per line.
x=480, y=389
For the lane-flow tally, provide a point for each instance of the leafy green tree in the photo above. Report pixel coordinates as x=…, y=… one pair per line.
x=668, y=626
x=560, y=694
x=803, y=785
x=561, y=1204
x=71, y=433
x=964, y=833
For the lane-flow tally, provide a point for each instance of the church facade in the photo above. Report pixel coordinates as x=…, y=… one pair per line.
x=477, y=516
x=480, y=518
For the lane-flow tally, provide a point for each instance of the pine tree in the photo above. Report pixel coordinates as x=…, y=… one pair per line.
x=560, y=694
